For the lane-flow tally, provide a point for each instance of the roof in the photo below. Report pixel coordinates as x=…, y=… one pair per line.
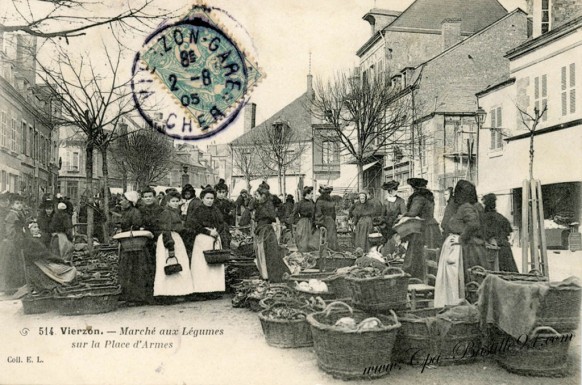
x=546, y=38
x=295, y=113
x=427, y=16
x=495, y=86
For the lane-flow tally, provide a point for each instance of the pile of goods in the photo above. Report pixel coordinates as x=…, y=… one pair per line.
x=237, y=271
x=95, y=290
x=331, y=260
x=314, y=286
x=378, y=290
x=349, y=343
x=241, y=243
x=298, y=262
x=284, y=324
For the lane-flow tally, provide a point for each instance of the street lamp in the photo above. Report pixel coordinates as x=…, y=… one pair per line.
x=480, y=119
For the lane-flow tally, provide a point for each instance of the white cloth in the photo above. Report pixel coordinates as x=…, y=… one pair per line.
x=184, y=207
x=206, y=278
x=450, y=279
x=261, y=259
x=175, y=284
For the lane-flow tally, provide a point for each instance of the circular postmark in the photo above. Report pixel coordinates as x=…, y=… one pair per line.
x=190, y=79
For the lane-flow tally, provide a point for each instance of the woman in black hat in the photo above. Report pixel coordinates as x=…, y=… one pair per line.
x=394, y=206
x=226, y=207
x=303, y=216
x=463, y=249
x=269, y=254
x=420, y=204
x=497, y=230
x=44, y=217
x=324, y=216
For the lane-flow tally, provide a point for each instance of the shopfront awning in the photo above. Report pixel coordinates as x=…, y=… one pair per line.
x=367, y=166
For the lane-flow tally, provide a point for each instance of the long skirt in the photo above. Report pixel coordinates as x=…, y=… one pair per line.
x=433, y=238
x=414, y=263
x=136, y=275
x=269, y=255
x=206, y=278
x=12, y=275
x=450, y=280
x=474, y=254
x=506, y=260
x=363, y=229
x=304, y=236
x=174, y=284
x=330, y=226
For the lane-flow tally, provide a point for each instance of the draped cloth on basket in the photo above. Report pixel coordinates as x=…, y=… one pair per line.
x=174, y=284
x=450, y=279
x=511, y=306
x=206, y=278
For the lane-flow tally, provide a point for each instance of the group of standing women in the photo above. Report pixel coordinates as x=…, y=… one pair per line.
x=183, y=228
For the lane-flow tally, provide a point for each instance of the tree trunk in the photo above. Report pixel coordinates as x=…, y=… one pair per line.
x=531, y=153
x=280, y=176
x=105, y=169
x=248, y=184
x=284, y=192
x=360, y=176
x=89, y=191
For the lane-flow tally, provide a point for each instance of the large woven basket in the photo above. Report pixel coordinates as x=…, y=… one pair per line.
x=38, y=304
x=560, y=309
x=479, y=273
x=352, y=354
x=339, y=285
x=417, y=337
x=285, y=333
x=91, y=301
x=292, y=280
x=133, y=240
x=380, y=293
x=335, y=261
x=543, y=354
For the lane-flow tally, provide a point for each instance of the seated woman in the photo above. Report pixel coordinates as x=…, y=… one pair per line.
x=44, y=270
x=207, y=223
x=171, y=250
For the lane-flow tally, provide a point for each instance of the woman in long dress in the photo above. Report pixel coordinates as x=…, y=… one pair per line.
x=303, y=216
x=362, y=215
x=134, y=269
x=420, y=204
x=497, y=230
x=207, y=223
x=12, y=276
x=394, y=207
x=269, y=255
x=170, y=250
x=325, y=216
x=463, y=248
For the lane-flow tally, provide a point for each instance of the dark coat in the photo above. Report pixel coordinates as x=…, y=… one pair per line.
x=304, y=209
x=325, y=216
x=392, y=210
x=227, y=209
x=169, y=220
x=264, y=213
x=150, y=216
x=203, y=217
x=360, y=210
x=61, y=223
x=131, y=219
x=44, y=222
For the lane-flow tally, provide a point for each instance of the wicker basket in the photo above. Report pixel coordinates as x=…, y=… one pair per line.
x=543, y=354
x=339, y=285
x=335, y=261
x=325, y=295
x=479, y=273
x=133, y=240
x=285, y=333
x=416, y=339
x=292, y=280
x=90, y=301
x=352, y=354
x=38, y=304
x=380, y=293
x=560, y=309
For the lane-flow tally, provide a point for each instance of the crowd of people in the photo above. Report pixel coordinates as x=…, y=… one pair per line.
x=183, y=226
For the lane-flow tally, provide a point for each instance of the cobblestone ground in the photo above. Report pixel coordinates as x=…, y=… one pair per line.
x=237, y=356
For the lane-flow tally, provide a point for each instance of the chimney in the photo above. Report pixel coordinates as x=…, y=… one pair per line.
x=450, y=32
x=26, y=57
x=250, y=113
x=380, y=18
x=310, y=84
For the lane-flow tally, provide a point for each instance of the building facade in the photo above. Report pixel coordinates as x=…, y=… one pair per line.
x=28, y=140
x=544, y=75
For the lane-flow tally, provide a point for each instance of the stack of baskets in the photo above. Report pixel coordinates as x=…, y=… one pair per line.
x=388, y=291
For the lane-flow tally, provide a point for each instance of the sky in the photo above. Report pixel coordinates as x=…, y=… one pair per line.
x=281, y=34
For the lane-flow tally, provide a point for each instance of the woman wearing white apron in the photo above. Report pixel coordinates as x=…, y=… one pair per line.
x=170, y=250
x=207, y=223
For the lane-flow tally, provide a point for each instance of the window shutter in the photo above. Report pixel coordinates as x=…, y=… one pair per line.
x=564, y=103
x=572, y=75
x=537, y=88
x=563, y=78
x=499, y=123
x=572, y=100
x=544, y=86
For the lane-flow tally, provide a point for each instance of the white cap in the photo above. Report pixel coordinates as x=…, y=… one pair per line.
x=131, y=196
x=62, y=206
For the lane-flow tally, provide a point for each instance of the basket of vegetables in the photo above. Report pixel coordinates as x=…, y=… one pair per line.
x=350, y=344
x=315, y=287
x=375, y=290
x=336, y=260
x=284, y=325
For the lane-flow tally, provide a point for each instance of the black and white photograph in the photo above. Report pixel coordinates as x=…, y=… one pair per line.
x=290, y=192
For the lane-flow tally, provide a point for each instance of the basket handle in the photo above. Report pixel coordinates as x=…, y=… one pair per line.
x=547, y=328
x=472, y=284
x=414, y=281
x=535, y=272
x=478, y=270
x=392, y=268
x=336, y=304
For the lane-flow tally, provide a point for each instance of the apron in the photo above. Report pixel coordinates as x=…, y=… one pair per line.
x=175, y=284
x=450, y=279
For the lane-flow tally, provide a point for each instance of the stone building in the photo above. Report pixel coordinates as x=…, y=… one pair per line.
x=28, y=140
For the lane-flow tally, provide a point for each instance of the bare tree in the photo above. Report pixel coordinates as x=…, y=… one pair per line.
x=531, y=123
x=245, y=160
x=93, y=102
x=72, y=18
x=365, y=114
x=279, y=147
x=146, y=155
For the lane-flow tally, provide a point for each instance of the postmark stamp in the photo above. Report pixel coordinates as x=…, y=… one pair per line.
x=191, y=78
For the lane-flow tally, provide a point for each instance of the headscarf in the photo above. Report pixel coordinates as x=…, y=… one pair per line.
x=131, y=196
x=465, y=192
